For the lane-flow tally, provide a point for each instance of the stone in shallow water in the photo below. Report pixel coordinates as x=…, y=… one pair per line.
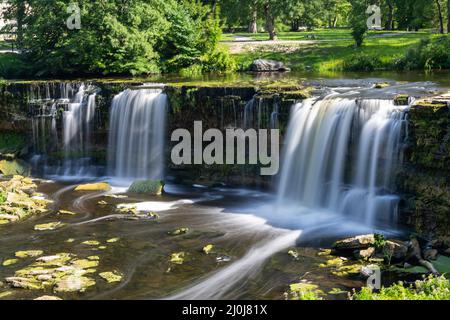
x=5, y=294
x=152, y=187
x=10, y=262
x=66, y=212
x=294, y=254
x=29, y=253
x=91, y=242
x=85, y=263
x=179, y=231
x=177, y=257
x=355, y=243
x=74, y=283
x=48, y=226
x=48, y=298
x=101, y=186
x=208, y=248
x=111, y=277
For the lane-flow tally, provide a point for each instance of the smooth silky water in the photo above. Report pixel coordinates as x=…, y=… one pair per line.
x=335, y=180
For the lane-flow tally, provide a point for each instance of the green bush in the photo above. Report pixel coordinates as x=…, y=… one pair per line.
x=429, y=54
x=219, y=60
x=117, y=37
x=12, y=66
x=362, y=62
x=431, y=288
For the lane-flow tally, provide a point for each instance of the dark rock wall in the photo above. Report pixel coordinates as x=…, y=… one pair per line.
x=425, y=178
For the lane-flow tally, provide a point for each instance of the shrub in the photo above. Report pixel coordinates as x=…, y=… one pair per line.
x=362, y=62
x=429, y=54
x=431, y=288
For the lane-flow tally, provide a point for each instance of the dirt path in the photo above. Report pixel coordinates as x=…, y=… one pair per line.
x=246, y=44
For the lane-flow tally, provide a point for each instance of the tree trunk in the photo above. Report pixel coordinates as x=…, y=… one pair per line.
x=441, y=19
x=390, y=19
x=253, y=26
x=448, y=16
x=270, y=22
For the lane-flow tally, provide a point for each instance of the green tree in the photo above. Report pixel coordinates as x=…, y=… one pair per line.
x=358, y=20
x=118, y=36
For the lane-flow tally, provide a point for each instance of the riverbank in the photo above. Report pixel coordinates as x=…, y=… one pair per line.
x=333, y=50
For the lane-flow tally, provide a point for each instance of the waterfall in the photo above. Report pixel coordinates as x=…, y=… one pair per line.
x=137, y=134
x=340, y=156
x=71, y=108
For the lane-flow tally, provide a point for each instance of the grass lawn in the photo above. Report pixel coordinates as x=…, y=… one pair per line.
x=334, y=48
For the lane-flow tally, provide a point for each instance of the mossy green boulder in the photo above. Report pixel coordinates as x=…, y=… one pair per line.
x=152, y=187
x=14, y=167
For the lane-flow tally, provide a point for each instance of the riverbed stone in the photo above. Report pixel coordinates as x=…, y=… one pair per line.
x=208, y=248
x=48, y=298
x=178, y=231
x=365, y=254
x=395, y=249
x=48, y=226
x=150, y=187
x=9, y=262
x=29, y=253
x=177, y=257
x=354, y=243
x=111, y=276
x=100, y=186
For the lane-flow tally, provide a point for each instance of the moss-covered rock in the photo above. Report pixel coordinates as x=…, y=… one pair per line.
x=151, y=187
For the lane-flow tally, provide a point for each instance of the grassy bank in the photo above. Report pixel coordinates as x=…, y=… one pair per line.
x=332, y=50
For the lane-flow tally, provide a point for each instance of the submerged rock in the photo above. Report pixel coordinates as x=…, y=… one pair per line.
x=208, y=248
x=9, y=262
x=48, y=226
x=66, y=212
x=62, y=272
x=179, y=231
x=91, y=242
x=381, y=85
x=177, y=257
x=100, y=186
x=29, y=253
x=263, y=65
x=294, y=254
x=49, y=298
x=152, y=187
x=74, y=283
x=111, y=277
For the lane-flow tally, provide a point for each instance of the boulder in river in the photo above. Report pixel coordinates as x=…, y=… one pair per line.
x=263, y=65
x=395, y=249
x=152, y=187
x=355, y=243
x=100, y=186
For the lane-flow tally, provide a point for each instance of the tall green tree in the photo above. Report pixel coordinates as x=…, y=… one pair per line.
x=358, y=20
x=117, y=36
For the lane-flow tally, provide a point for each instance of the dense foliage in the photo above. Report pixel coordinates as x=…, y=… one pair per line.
x=271, y=16
x=431, y=288
x=429, y=54
x=118, y=36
